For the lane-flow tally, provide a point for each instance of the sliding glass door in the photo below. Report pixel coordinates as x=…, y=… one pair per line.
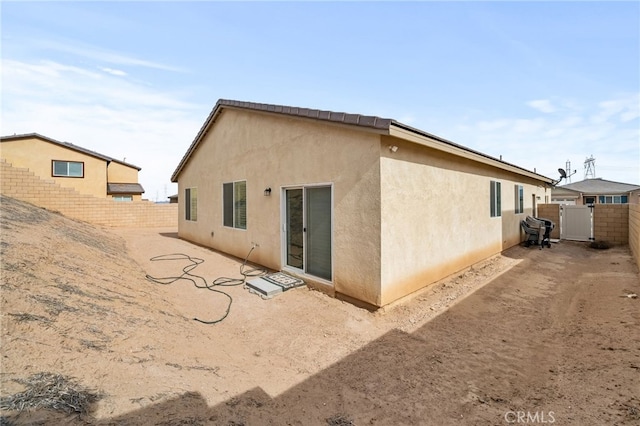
x=308, y=236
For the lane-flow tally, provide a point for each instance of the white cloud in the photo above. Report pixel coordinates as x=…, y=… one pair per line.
x=609, y=130
x=626, y=108
x=113, y=71
x=542, y=105
x=103, y=112
x=101, y=55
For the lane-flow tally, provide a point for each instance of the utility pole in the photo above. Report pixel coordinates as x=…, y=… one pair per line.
x=590, y=168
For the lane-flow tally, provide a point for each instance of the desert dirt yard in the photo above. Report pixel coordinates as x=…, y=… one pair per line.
x=529, y=336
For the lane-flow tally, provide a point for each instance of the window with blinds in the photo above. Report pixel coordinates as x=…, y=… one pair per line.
x=495, y=199
x=191, y=204
x=234, y=204
x=519, y=195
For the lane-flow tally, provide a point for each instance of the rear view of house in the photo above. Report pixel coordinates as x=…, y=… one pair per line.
x=362, y=207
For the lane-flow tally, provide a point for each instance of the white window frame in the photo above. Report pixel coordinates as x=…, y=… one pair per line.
x=495, y=198
x=234, y=210
x=191, y=204
x=68, y=169
x=519, y=195
x=123, y=198
x=611, y=199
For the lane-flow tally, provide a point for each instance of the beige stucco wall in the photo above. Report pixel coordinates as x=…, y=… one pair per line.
x=401, y=220
x=436, y=215
x=119, y=173
x=36, y=155
x=275, y=151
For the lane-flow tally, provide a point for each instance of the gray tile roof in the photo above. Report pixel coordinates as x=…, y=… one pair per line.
x=124, y=188
x=68, y=145
x=336, y=117
x=600, y=186
x=383, y=125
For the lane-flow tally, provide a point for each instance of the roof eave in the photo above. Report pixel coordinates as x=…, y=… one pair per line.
x=196, y=141
x=70, y=146
x=411, y=134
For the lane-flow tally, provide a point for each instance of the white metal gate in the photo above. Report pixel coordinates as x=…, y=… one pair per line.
x=576, y=223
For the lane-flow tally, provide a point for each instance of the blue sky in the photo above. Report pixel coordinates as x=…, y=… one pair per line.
x=539, y=83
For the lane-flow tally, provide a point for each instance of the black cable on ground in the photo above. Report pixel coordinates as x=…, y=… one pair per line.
x=201, y=282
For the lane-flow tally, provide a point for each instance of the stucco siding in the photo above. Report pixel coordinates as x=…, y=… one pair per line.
x=36, y=155
x=119, y=173
x=436, y=216
x=270, y=151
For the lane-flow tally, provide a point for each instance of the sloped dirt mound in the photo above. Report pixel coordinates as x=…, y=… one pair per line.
x=70, y=289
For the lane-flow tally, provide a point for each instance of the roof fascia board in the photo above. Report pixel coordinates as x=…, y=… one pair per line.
x=402, y=132
x=343, y=125
x=194, y=145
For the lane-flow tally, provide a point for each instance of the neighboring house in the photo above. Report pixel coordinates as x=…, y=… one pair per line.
x=596, y=191
x=173, y=199
x=365, y=208
x=71, y=166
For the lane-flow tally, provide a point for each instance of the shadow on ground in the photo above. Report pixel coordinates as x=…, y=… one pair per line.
x=508, y=348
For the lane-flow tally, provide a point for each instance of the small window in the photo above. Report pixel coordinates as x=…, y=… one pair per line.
x=234, y=204
x=67, y=168
x=613, y=199
x=191, y=204
x=519, y=199
x=495, y=199
x=123, y=198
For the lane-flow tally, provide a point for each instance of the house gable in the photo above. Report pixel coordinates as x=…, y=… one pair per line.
x=384, y=126
x=39, y=154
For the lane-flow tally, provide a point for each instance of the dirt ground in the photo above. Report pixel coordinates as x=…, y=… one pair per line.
x=529, y=336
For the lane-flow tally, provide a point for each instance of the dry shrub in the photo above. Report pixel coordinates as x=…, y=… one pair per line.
x=600, y=245
x=50, y=391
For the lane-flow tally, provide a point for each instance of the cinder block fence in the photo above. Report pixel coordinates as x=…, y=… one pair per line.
x=24, y=185
x=611, y=222
x=634, y=231
x=614, y=223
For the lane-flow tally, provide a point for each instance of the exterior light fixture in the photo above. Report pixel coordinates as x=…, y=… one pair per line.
x=393, y=148
x=267, y=192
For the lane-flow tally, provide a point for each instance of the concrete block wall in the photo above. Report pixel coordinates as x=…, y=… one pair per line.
x=634, y=231
x=551, y=212
x=611, y=223
x=22, y=184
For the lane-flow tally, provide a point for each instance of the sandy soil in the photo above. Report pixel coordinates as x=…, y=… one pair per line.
x=536, y=336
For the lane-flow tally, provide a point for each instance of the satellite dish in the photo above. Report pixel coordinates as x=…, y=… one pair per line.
x=563, y=174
